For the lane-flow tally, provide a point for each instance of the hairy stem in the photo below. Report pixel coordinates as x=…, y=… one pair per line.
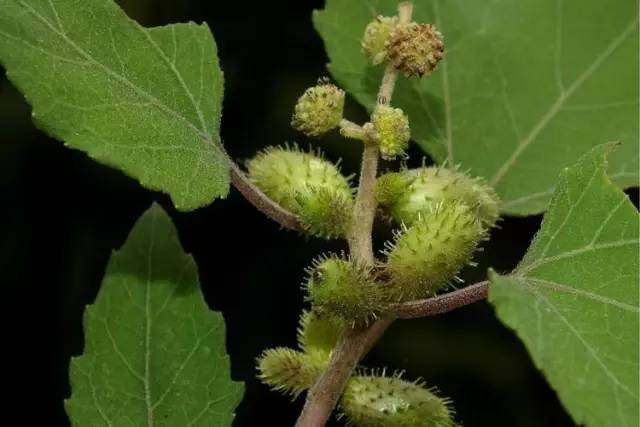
x=355, y=342
x=259, y=200
x=348, y=129
x=442, y=303
x=360, y=243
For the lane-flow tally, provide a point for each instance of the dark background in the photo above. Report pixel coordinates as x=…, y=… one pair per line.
x=62, y=214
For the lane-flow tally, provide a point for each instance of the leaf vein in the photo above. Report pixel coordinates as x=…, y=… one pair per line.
x=557, y=106
x=585, y=343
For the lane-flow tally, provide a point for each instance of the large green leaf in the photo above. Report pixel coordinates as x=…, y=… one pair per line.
x=154, y=353
x=574, y=298
x=146, y=101
x=525, y=88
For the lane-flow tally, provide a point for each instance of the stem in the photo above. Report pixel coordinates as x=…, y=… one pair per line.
x=388, y=84
x=355, y=342
x=360, y=243
x=259, y=200
x=442, y=303
x=324, y=394
x=348, y=129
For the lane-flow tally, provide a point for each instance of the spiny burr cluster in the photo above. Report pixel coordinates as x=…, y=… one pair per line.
x=441, y=214
x=414, y=49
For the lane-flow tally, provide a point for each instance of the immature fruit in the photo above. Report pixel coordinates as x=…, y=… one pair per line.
x=391, y=188
x=307, y=185
x=318, y=335
x=392, y=129
x=426, y=256
x=324, y=212
x=287, y=370
x=340, y=288
x=375, y=38
x=415, y=49
x=319, y=109
x=408, y=194
x=378, y=401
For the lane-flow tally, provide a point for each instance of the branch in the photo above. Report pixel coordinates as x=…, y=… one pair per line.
x=442, y=303
x=259, y=200
x=322, y=397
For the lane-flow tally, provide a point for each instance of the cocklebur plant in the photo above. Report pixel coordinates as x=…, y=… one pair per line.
x=441, y=226
x=527, y=129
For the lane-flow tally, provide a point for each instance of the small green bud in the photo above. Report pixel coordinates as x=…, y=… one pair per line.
x=319, y=109
x=307, y=185
x=378, y=401
x=429, y=254
x=375, y=37
x=426, y=187
x=392, y=129
x=287, y=370
x=415, y=49
x=318, y=335
x=340, y=288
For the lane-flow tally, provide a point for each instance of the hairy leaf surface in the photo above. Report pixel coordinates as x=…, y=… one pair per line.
x=144, y=100
x=154, y=353
x=574, y=298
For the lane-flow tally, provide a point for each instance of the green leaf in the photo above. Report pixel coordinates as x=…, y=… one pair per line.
x=574, y=298
x=154, y=353
x=525, y=88
x=146, y=101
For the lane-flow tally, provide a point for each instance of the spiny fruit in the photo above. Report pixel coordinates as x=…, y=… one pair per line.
x=291, y=371
x=391, y=188
x=338, y=287
x=379, y=401
x=375, y=38
x=287, y=370
x=415, y=49
x=426, y=256
x=306, y=184
x=319, y=109
x=392, y=129
x=324, y=212
x=318, y=335
x=407, y=194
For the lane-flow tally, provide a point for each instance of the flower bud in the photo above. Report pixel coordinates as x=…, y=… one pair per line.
x=287, y=370
x=375, y=37
x=427, y=256
x=392, y=129
x=307, y=185
x=319, y=109
x=407, y=194
x=340, y=288
x=415, y=49
x=393, y=402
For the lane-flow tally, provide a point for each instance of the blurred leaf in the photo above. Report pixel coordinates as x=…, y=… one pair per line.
x=146, y=101
x=154, y=353
x=526, y=86
x=574, y=298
